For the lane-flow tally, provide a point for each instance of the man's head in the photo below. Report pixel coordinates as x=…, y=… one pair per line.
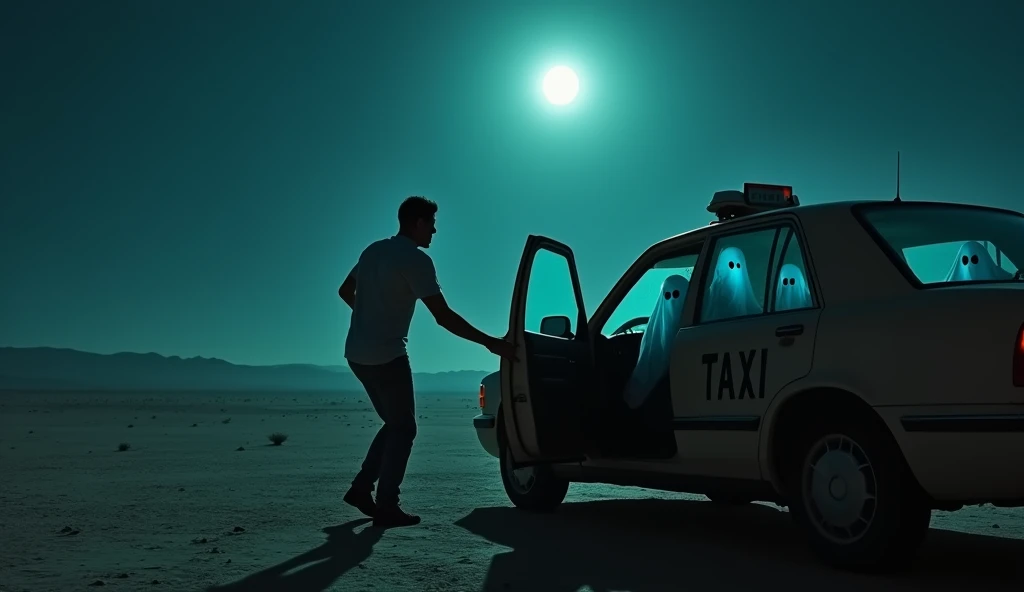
x=416, y=219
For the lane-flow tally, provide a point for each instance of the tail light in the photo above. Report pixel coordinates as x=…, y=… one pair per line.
x=1018, y=359
x=483, y=395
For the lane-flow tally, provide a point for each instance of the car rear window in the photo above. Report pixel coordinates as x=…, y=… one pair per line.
x=937, y=244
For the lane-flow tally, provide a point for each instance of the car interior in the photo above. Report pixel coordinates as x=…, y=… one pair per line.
x=620, y=431
x=645, y=431
x=973, y=263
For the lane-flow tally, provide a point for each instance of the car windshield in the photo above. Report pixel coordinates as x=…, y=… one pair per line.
x=942, y=244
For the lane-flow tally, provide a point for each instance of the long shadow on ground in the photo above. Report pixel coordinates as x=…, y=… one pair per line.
x=343, y=550
x=658, y=545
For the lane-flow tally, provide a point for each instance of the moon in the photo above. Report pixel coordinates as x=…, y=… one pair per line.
x=561, y=85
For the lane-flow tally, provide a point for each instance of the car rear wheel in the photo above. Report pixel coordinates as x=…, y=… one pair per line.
x=855, y=497
x=535, y=488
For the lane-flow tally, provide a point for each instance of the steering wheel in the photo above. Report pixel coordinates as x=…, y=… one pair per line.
x=631, y=324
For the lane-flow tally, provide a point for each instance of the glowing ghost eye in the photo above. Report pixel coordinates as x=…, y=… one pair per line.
x=667, y=295
x=785, y=281
x=675, y=293
x=964, y=259
x=731, y=265
x=974, y=259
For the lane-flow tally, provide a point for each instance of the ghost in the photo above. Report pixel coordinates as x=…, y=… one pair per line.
x=730, y=294
x=656, y=344
x=792, y=292
x=974, y=264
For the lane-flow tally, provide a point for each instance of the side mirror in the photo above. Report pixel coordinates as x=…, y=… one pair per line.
x=558, y=326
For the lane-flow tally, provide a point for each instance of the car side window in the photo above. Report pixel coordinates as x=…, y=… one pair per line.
x=791, y=288
x=754, y=272
x=735, y=280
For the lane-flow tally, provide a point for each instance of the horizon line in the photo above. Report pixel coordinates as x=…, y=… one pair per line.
x=168, y=356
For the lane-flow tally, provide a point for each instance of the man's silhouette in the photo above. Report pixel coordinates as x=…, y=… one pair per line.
x=382, y=290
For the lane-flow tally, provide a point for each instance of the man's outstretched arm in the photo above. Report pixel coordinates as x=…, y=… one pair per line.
x=460, y=327
x=423, y=282
x=453, y=321
x=347, y=291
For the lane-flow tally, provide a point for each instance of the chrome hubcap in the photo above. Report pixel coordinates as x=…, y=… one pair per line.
x=522, y=479
x=839, y=489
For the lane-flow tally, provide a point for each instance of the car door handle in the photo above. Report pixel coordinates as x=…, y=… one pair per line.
x=789, y=331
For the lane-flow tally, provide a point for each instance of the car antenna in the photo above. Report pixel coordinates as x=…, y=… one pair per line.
x=897, y=177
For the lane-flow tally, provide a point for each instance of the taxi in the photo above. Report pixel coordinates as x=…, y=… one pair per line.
x=859, y=362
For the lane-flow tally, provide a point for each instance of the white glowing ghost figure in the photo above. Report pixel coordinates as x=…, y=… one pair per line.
x=974, y=264
x=656, y=345
x=792, y=292
x=731, y=294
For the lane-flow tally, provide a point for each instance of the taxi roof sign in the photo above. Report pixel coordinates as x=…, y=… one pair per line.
x=755, y=197
x=771, y=196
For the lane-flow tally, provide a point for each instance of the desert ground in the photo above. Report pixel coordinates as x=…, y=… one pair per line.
x=202, y=500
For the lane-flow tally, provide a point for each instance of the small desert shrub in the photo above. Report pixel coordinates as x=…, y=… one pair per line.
x=277, y=438
x=123, y=446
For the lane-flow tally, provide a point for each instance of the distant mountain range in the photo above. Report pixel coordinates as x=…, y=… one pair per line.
x=55, y=369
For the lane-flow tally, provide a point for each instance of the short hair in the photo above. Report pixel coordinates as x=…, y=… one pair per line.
x=415, y=208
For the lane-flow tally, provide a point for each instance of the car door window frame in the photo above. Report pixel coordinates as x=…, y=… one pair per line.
x=509, y=373
x=809, y=274
x=582, y=332
x=636, y=271
x=772, y=272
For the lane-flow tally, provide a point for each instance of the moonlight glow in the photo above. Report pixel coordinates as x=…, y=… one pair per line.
x=561, y=85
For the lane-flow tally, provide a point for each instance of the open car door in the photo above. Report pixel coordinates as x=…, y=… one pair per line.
x=543, y=393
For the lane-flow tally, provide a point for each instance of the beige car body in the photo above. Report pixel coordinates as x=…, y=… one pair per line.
x=942, y=388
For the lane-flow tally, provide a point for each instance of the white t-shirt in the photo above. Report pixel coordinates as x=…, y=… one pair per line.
x=391, y=275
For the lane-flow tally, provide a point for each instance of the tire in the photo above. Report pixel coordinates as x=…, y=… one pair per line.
x=854, y=495
x=534, y=488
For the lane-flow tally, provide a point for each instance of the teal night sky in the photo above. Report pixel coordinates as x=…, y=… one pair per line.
x=195, y=178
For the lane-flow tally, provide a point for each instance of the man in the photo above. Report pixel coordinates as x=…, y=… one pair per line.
x=382, y=289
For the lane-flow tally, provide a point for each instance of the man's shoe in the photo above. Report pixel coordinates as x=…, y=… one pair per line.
x=361, y=501
x=392, y=516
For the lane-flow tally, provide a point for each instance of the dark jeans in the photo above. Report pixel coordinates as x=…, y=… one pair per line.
x=389, y=387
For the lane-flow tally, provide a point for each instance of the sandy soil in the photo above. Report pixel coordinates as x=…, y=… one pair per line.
x=184, y=509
